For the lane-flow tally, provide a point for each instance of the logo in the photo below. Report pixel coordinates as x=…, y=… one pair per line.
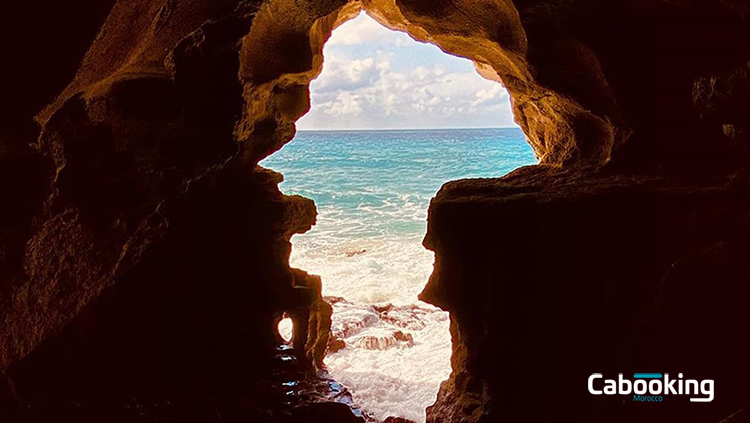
x=652, y=383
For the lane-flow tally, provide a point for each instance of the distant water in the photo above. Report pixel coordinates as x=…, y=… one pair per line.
x=372, y=190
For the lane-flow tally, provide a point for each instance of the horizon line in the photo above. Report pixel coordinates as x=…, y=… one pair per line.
x=406, y=129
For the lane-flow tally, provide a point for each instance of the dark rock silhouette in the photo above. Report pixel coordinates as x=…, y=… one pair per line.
x=144, y=254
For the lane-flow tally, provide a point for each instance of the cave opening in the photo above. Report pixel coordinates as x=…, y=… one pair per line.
x=391, y=120
x=146, y=262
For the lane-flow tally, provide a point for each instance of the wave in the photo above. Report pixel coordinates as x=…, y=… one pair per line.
x=372, y=190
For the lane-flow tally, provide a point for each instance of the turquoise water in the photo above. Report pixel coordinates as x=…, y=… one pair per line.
x=372, y=190
x=378, y=183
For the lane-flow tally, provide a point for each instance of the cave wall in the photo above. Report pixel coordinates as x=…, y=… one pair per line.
x=145, y=255
x=557, y=272
x=550, y=278
x=155, y=264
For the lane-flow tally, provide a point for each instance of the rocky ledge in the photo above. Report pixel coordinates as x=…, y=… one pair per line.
x=144, y=254
x=550, y=276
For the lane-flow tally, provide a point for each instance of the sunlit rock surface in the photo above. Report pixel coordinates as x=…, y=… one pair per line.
x=550, y=276
x=144, y=256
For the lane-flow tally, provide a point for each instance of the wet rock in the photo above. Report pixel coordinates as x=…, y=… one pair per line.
x=409, y=317
x=334, y=300
x=384, y=308
x=143, y=252
x=355, y=253
x=382, y=339
x=335, y=344
x=404, y=337
x=352, y=319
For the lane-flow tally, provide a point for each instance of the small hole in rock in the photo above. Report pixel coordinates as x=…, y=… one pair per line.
x=285, y=329
x=384, y=133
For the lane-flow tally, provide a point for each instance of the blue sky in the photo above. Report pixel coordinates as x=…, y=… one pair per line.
x=375, y=78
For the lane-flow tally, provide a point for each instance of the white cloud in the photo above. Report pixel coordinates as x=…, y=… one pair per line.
x=344, y=104
x=370, y=81
x=360, y=30
x=346, y=75
x=494, y=95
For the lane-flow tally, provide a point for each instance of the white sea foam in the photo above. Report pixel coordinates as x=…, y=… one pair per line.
x=387, y=374
x=370, y=270
x=397, y=379
x=372, y=191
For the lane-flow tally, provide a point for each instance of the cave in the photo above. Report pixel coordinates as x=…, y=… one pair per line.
x=391, y=120
x=144, y=254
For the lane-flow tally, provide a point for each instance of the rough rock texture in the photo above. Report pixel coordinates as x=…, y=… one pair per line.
x=553, y=273
x=144, y=255
x=312, y=316
x=152, y=265
x=569, y=276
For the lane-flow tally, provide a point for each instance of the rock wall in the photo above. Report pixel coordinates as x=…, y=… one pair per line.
x=153, y=267
x=551, y=277
x=144, y=260
x=557, y=272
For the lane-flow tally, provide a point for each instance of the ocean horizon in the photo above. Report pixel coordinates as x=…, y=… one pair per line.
x=409, y=129
x=372, y=189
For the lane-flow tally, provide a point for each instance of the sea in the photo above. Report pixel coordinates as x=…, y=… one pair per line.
x=372, y=190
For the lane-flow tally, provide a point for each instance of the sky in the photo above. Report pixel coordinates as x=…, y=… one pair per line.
x=376, y=78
